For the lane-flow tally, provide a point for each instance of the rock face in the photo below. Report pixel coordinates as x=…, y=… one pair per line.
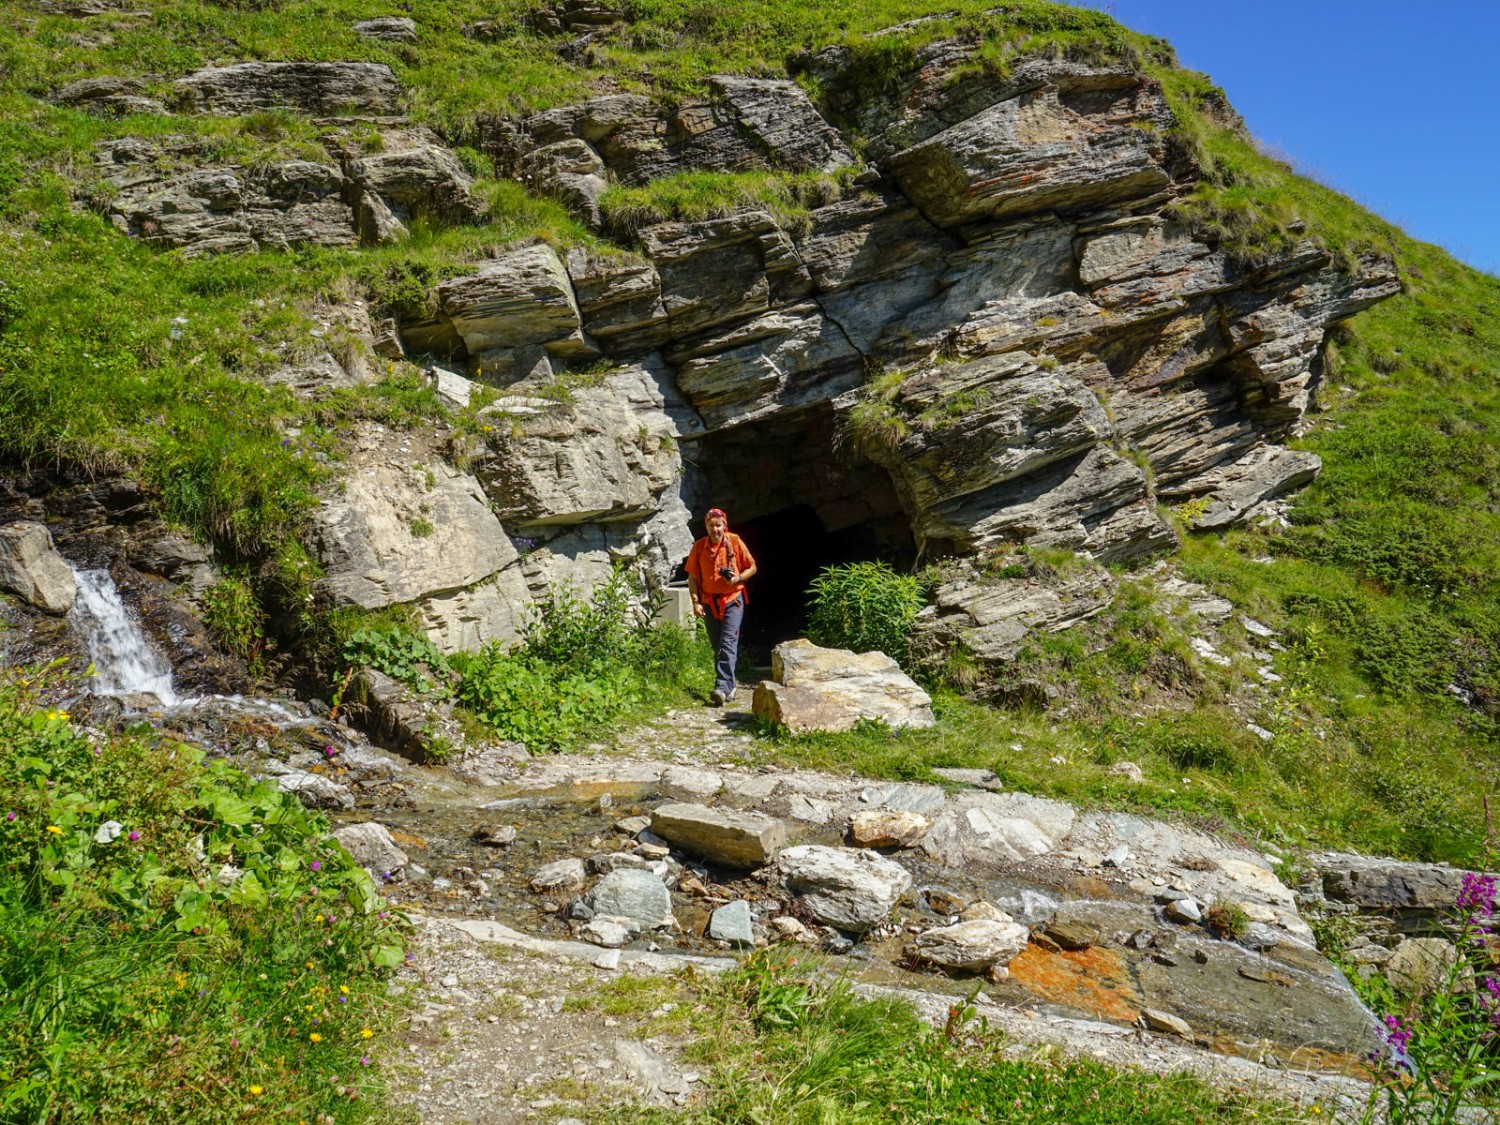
x=1414, y=895
x=334, y=89
x=1058, y=353
x=844, y=887
x=832, y=689
x=31, y=568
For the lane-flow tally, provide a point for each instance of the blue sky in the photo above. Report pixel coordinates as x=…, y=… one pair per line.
x=1390, y=102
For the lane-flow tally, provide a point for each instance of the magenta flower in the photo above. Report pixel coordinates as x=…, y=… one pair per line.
x=364, y=1060
x=134, y=836
x=316, y=865
x=10, y=816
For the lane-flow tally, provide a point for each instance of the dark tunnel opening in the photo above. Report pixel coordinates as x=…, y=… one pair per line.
x=800, y=505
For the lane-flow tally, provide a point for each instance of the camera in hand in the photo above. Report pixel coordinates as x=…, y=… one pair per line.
x=726, y=573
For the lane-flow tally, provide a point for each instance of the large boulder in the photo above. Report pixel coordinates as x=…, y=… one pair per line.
x=523, y=297
x=848, y=888
x=31, y=568
x=637, y=895
x=833, y=689
x=970, y=946
x=736, y=839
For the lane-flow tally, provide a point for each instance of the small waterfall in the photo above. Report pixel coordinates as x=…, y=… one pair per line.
x=124, y=661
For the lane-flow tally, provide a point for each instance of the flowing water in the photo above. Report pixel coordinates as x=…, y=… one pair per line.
x=125, y=663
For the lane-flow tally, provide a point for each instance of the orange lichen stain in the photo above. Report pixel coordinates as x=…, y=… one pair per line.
x=407, y=840
x=1091, y=980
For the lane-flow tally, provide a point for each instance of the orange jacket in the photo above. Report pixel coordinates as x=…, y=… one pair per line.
x=703, y=563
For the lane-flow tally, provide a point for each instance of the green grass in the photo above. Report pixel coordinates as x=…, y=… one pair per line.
x=218, y=956
x=787, y=1044
x=695, y=196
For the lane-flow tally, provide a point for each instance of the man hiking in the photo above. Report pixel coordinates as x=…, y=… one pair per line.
x=717, y=568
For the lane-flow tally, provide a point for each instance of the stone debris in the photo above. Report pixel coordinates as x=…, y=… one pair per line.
x=883, y=828
x=732, y=923
x=563, y=875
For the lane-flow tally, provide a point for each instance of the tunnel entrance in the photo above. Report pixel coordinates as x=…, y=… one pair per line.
x=800, y=505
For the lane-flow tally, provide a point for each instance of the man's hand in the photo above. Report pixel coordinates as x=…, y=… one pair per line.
x=698, y=610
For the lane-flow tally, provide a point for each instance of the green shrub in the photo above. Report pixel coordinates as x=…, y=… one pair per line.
x=177, y=941
x=232, y=611
x=865, y=607
x=565, y=630
x=401, y=653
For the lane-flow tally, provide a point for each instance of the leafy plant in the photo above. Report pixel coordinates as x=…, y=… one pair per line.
x=1226, y=919
x=402, y=654
x=864, y=607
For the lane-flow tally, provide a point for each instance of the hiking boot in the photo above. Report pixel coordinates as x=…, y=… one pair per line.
x=716, y=698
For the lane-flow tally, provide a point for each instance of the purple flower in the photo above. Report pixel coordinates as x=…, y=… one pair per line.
x=10, y=816
x=364, y=1060
x=133, y=837
x=316, y=865
x=1477, y=894
x=330, y=751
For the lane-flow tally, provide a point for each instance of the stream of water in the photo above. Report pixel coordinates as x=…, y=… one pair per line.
x=125, y=663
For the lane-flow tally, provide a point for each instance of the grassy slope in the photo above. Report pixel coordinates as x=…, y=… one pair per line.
x=1386, y=585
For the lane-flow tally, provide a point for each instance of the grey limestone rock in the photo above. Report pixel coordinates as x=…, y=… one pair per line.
x=731, y=923
x=851, y=889
x=563, y=875
x=522, y=297
x=389, y=29
x=32, y=569
x=736, y=839
x=327, y=89
x=970, y=946
x=815, y=688
x=634, y=894
x=373, y=849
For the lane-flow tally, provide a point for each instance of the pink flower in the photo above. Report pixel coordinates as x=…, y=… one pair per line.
x=316, y=865
x=134, y=836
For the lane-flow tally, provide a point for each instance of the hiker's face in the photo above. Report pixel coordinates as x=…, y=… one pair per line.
x=716, y=528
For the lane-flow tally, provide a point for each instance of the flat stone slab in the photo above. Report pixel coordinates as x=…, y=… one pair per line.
x=739, y=839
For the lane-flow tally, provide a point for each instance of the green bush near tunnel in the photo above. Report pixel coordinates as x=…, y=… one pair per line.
x=178, y=943
x=865, y=607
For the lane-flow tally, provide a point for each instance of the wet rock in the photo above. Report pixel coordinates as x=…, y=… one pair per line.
x=1070, y=934
x=941, y=900
x=633, y=825
x=731, y=923
x=168, y=554
x=563, y=875
x=394, y=715
x=495, y=835
x=373, y=849
x=851, y=889
x=737, y=839
x=970, y=946
x=638, y=895
x=815, y=688
x=32, y=569
x=1184, y=911
x=882, y=828
x=388, y=29
x=322, y=89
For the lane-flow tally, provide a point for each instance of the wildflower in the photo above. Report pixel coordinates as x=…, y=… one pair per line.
x=366, y=1033
x=316, y=865
x=257, y=1091
x=319, y=918
x=315, y=1038
x=10, y=816
x=364, y=1060
x=54, y=829
x=344, y=988
x=133, y=837
x=330, y=751
x=1477, y=894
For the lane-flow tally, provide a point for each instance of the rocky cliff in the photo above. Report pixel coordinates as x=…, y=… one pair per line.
x=985, y=321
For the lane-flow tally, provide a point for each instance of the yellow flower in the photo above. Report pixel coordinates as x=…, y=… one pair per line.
x=344, y=988
x=319, y=918
x=54, y=829
x=367, y=1033
x=315, y=1038
x=309, y=964
x=257, y=1090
